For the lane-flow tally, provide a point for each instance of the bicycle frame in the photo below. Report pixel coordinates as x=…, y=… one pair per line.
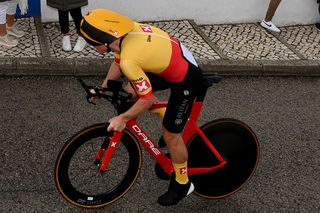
x=191, y=129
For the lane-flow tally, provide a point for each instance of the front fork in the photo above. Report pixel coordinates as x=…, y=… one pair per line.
x=106, y=151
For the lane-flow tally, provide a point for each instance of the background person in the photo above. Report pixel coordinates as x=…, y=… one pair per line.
x=266, y=23
x=318, y=24
x=74, y=8
x=8, y=29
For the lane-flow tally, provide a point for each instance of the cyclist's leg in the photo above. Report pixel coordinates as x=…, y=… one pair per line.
x=158, y=83
x=177, y=114
x=178, y=153
x=179, y=186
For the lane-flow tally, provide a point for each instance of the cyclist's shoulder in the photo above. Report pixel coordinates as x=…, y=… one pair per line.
x=145, y=29
x=143, y=37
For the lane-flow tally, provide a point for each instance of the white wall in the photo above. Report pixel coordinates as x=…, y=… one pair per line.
x=203, y=11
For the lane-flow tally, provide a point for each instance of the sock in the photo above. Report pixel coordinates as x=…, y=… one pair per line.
x=181, y=171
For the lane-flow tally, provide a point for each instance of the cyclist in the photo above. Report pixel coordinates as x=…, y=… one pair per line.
x=151, y=60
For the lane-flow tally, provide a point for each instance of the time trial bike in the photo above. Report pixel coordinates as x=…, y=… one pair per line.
x=95, y=167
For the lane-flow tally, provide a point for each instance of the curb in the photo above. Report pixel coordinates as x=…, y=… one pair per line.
x=98, y=67
x=303, y=68
x=47, y=65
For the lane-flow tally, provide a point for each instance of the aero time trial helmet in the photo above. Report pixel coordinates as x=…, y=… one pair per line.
x=102, y=27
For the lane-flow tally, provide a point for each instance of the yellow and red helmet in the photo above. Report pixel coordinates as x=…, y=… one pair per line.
x=102, y=27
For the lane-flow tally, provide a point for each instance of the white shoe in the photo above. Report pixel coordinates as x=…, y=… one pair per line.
x=80, y=45
x=14, y=31
x=8, y=41
x=270, y=26
x=66, y=43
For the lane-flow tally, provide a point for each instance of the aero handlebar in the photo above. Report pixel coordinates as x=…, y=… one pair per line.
x=114, y=93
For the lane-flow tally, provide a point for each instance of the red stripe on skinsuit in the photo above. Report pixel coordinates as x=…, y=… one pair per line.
x=178, y=66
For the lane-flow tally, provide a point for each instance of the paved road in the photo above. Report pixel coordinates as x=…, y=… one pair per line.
x=39, y=114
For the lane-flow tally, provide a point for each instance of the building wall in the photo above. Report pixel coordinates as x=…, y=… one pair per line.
x=290, y=12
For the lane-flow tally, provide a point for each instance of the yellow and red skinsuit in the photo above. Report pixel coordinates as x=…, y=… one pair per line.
x=150, y=49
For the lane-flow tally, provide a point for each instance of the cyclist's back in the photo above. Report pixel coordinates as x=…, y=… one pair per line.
x=150, y=49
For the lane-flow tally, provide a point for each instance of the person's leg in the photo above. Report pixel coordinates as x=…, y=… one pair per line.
x=272, y=9
x=5, y=39
x=176, y=146
x=318, y=24
x=3, y=30
x=12, y=28
x=64, y=21
x=266, y=23
x=176, y=116
x=3, y=19
x=77, y=17
x=179, y=155
x=11, y=12
x=64, y=28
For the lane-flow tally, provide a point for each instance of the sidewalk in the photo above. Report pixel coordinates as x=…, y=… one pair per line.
x=235, y=49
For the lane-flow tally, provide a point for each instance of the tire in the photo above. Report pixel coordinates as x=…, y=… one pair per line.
x=237, y=144
x=77, y=177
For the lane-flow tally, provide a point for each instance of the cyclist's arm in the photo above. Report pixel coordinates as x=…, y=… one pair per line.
x=114, y=73
x=141, y=85
x=118, y=123
x=143, y=88
x=138, y=108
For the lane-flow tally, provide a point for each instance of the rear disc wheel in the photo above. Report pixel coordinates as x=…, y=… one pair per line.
x=237, y=144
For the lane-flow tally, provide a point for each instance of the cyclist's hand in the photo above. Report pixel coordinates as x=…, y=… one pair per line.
x=116, y=124
x=93, y=99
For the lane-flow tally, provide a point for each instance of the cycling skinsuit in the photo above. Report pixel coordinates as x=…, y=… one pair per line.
x=153, y=60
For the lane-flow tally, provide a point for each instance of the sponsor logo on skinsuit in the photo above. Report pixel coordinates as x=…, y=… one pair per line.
x=141, y=86
x=146, y=28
